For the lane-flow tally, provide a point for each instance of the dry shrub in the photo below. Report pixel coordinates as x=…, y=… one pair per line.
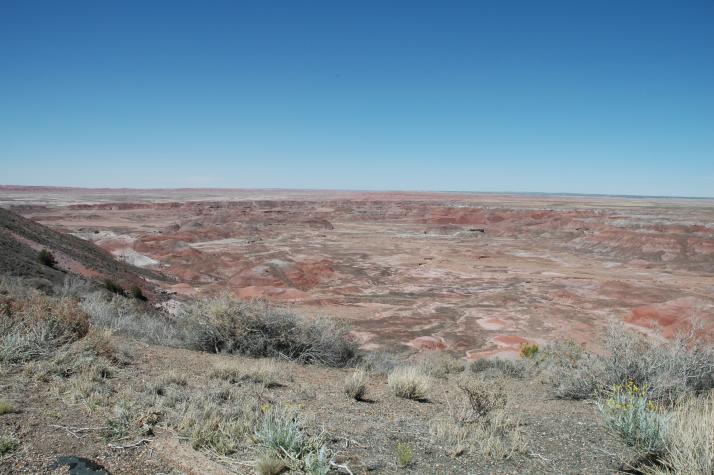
x=500, y=367
x=669, y=369
x=482, y=397
x=438, y=364
x=34, y=328
x=409, y=382
x=12, y=287
x=356, y=385
x=380, y=362
x=482, y=420
x=73, y=287
x=259, y=329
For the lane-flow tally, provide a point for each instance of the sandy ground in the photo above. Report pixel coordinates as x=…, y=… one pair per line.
x=475, y=274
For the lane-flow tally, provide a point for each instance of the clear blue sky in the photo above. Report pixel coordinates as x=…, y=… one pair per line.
x=572, y=96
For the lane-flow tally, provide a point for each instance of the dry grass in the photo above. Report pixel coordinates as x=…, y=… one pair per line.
x=409, y=382
x=161, y=386
x=266, y=372
x=482, y=397
x=34, y=328
x=356, y=385
x=220, y=420
x=690, y=439
x=269, y=464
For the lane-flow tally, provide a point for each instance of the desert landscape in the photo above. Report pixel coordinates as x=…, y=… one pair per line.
x=356, y=238
x=196, y=331
x=475, y=274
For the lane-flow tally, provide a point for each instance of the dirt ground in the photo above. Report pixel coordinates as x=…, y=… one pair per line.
x=560, y=436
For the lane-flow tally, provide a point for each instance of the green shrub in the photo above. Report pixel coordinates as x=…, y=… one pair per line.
x=631, y=414
x=8, y=443
x=113, y=287
x=46, y=258
x=529, y=350
x=259, y=329
x=280, y=433
x=137, y=293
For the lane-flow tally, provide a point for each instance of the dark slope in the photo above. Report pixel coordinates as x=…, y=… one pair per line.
x=21, y=239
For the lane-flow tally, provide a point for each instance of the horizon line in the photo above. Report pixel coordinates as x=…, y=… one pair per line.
x=338, y=190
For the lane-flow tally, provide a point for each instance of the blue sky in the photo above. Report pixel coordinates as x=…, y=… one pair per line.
x=584, y=97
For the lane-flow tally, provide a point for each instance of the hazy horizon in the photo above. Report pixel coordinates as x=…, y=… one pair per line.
x=558, y=98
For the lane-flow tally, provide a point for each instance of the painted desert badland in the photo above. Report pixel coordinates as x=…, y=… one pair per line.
x=475, y=274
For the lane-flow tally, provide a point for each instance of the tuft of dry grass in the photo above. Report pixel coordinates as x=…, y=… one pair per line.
x=409, y=382
x=6, y=407
x=268, y=464
x=404, y=453
x=161, y=385
x=356, y=385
